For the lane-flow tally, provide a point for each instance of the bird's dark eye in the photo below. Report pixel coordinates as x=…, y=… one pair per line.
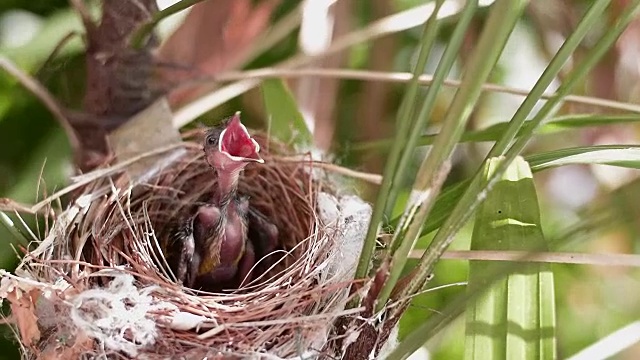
x=211, y=140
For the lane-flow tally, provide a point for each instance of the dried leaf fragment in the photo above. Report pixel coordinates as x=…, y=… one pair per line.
x=23, y=314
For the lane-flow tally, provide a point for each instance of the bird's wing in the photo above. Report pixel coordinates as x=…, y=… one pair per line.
x=180, y=249
x=262, y=232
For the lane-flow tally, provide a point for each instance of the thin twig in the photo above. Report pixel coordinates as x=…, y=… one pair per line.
x=97, y=174
x=543, y=257
x=368, y=177
x=141, y=34
x=395, y=23
x=41, y=93
x=404, y=77
x=54, y=53
x=85, y=15
x=11, y=205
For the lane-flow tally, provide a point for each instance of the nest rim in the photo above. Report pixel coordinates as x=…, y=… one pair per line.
x=218, y=321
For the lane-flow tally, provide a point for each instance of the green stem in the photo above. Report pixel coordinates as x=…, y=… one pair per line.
x=138, y=38
x=404, y=126
x=502, y=19
x=444, y=67
x=475, y=193
x=408, y=108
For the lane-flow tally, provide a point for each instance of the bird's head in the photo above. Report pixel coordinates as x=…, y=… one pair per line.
x=228, y=147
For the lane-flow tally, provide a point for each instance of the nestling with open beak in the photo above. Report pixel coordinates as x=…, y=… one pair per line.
x=213, y=247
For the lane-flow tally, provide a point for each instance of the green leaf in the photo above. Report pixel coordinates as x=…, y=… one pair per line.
x=502, y=19
x=445, y=202
x=616, y=155
x=54, y=28
x=496, y=131
x=285, y=120
x=578, y=121
x=514, y=316
x=54, y=150
x=449, y=57
x=404, y=122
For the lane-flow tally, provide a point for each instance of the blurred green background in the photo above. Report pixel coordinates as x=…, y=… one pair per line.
x=592, y=301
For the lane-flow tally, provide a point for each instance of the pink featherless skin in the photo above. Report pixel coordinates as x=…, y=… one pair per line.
x=216, y=251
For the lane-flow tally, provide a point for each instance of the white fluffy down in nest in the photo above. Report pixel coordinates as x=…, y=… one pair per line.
x=107, y=314
x=349, y=217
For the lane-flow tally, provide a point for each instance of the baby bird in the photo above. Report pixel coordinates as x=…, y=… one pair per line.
x=212, y=246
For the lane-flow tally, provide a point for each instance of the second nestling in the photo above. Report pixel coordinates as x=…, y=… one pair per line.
x=211, y=250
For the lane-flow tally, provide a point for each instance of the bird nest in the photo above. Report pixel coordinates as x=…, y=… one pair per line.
x=98, y=284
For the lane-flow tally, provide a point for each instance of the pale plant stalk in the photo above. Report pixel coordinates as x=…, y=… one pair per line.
x=612, y=344
x=626, y=260
x=404, y=77
x=395, y=23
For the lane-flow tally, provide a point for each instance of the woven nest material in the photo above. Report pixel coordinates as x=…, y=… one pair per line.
x=98, y=286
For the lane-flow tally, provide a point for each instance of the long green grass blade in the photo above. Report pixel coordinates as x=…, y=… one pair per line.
x=615, y=155
x=139, y=37
x=11, y=227
x=514, y=318
x=502, y=19
x=497, y=131
x=475, y=193
x=574, y=77
x=445, y=202
x=444, y=67
x=285, y=120
x=404, y=122
x=557, y=63
x=578, y=121
x=627, y=156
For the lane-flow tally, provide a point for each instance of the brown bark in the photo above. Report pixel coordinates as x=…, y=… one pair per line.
x=118, y=76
